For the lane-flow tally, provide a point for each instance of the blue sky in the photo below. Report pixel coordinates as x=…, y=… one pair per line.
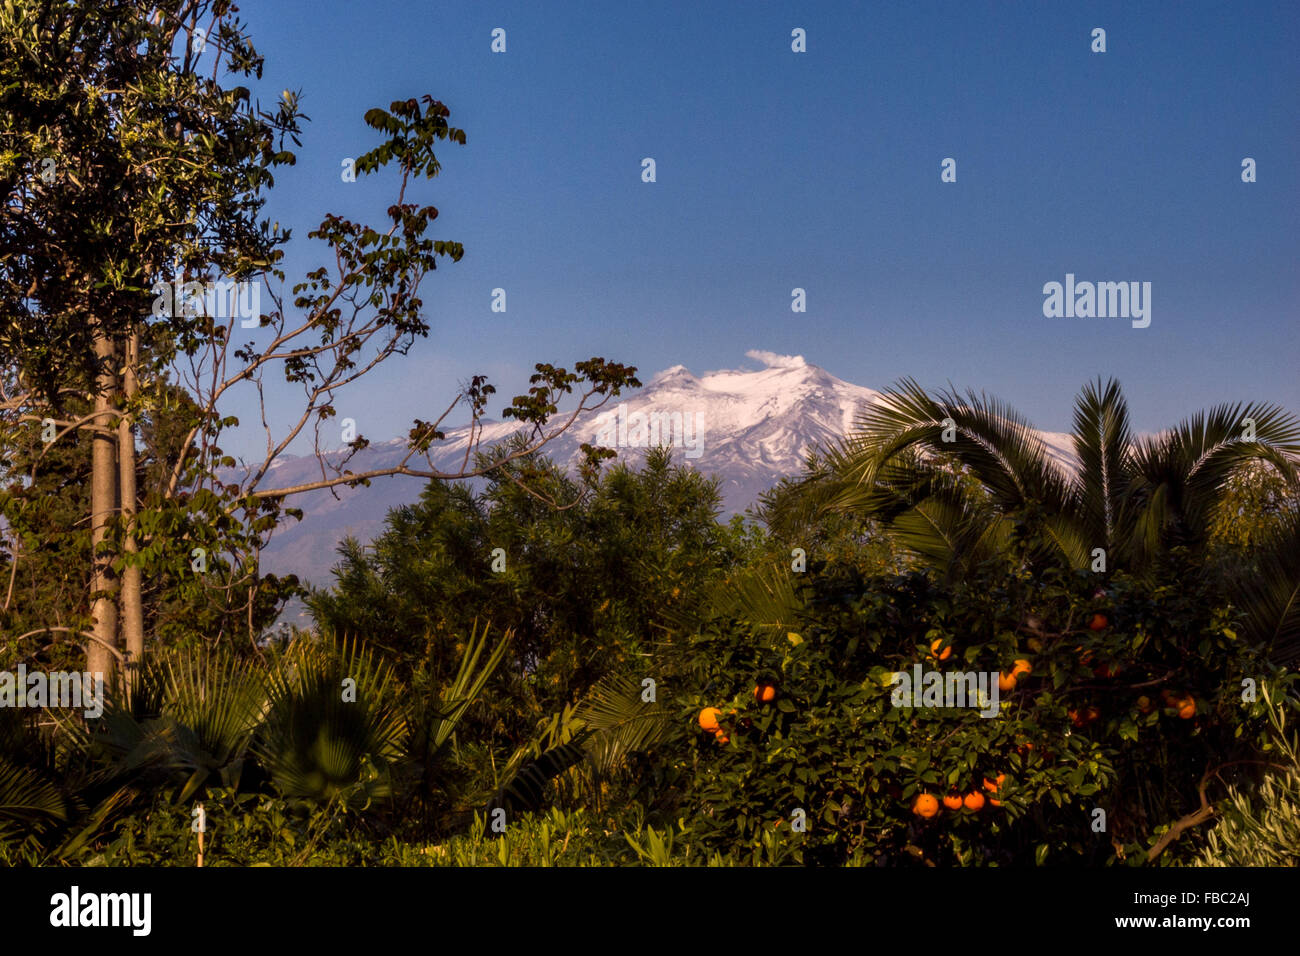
x=821, y=171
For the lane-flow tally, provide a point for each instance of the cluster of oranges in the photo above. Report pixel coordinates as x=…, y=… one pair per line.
x=1182, y=704
x=926, y=805
x=941, y=650
x=1007, y=682
x=710, y=718
x=1084, y=717
x=710, y=722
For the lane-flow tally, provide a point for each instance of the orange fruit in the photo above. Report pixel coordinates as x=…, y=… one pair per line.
x=992, y=785
x=1021, y=666
x=936, y=653
x=1091, y=714
x=709, y=719
x=1006, y=682
x=952, y=801
x=1076, y=719
x=1098, y=623
x=925, y=805
x=1187, y=707
x=764, y=693
x=974, y=800
x=1144, y=704
x=720, y=737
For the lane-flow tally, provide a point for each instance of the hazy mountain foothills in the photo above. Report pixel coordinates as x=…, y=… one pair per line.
x=748, y=427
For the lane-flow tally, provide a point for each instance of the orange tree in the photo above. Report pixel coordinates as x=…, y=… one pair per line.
x=1095, y=754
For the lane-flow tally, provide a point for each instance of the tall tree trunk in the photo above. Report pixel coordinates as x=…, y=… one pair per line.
x=132, y=599
x=103, y=505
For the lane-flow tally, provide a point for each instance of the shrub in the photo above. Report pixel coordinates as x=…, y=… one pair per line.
x=1260, y=826
x=834, y=746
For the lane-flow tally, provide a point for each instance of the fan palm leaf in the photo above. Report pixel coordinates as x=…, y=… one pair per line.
x=192, y=717
x=29, y=798
x=334, y=727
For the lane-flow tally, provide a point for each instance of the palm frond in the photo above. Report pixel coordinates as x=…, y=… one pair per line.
x=29, y=797
x=1070, y=540
x=765, y=598
x=947, y=501
x=990, y=440
x=526, y=789
x=1102, y=440
x=791, y=508
x=468, y=684
x=621, y=723
x=1189, y=467
x=597, y=737
x=323, y=738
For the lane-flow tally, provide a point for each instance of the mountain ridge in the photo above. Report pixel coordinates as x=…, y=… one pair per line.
x=752, y=426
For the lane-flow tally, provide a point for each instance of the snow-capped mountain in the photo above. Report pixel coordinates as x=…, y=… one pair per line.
x=750, y=428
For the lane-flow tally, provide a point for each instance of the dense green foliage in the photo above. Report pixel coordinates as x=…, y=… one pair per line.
x=586, y=590
x=546, y=668
x=452, y=737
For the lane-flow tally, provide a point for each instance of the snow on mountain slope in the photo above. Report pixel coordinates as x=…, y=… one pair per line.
x=750, y=428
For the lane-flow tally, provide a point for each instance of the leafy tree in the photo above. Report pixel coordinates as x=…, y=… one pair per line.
x=45, y=550
x=128, y=167
x=1084, y=728
x=45, y=555
x=119, y=159
x=587, y=589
